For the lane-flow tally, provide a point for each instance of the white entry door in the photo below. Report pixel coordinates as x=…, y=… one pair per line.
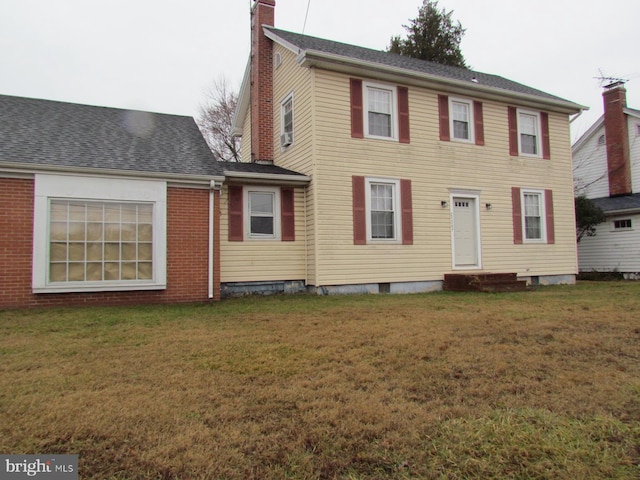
x=465, y=232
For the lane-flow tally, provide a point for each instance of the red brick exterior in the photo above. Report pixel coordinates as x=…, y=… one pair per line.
x=617, y=136
x=187, y=252
x=262, y=82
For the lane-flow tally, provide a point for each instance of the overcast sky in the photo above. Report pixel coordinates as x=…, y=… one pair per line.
x=162, y=55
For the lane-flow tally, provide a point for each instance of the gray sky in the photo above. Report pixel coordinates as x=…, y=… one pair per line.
x=162, y=55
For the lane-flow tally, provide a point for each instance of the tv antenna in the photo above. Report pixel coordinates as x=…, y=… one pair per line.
x=607, y=81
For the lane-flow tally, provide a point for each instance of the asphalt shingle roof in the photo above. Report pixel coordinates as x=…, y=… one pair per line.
x=305, y=42
x=624, y=202
x=260, y=168
x=45, y=132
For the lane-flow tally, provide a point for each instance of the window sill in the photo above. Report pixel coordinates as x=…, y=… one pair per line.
x=76, y=288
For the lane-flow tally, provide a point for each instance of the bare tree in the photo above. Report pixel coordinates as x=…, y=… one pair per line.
x=216, y=121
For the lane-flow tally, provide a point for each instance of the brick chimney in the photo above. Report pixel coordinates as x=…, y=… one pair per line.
x=262, y=13
x=617, y=136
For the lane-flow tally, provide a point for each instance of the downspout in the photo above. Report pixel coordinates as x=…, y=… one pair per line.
x=213, y=186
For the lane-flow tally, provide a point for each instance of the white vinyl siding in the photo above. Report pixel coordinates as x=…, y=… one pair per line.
x=611, y=249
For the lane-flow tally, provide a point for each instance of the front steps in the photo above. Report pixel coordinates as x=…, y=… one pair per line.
x=483, y=282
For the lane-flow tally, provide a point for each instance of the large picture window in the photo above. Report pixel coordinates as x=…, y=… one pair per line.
x=98, y=234
x=100, y=241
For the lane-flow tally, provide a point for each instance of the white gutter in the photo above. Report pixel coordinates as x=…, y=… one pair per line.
x=176, y=178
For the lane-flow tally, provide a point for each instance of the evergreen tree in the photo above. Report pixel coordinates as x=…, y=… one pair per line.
x=433, y=36
x=588, y=215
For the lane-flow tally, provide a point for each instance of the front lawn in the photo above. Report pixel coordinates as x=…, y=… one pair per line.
x=536, y=385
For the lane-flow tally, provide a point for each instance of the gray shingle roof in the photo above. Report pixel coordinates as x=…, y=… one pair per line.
x=624, y=202
x=259, y=168
x=45, y=132
x=305, y=42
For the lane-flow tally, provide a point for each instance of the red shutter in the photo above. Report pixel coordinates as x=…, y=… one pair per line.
x=443, y=112
x=513, y=132
x=359, y=211
x=407, y=212
x=403, y=115
x=544, y=125
x=478, y=121
x=235, y=213
x=357, y=121
x=287, y=214
x=548, y=203
x=517, y=215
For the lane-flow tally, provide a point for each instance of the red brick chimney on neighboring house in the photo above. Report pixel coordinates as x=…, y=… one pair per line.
x=262, y=13
x=617, y=137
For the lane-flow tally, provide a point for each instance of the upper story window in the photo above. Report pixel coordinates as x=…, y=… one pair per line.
x=381, y=120
x=286, y=121
x=461, y=119
x=379, y=111
x=529, y=133
x=624, y=224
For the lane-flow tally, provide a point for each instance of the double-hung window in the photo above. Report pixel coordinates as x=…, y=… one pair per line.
x=381, y=119
x=383, y=212
x=529, y=133
x=461, y=119
x=286, y=121
x=262, y=206
x=533, y=215
x=96, y=234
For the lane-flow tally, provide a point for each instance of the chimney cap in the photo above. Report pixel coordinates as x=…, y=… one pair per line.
x=616, y=83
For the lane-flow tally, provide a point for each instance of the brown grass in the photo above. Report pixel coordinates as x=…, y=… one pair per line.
x=538, y=385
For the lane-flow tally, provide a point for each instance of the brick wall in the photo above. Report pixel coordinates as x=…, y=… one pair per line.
x=187, y=252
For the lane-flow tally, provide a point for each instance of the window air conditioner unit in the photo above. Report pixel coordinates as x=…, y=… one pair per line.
x=286, y=139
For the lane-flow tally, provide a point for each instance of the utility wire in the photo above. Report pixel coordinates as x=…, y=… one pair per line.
x=305, y=16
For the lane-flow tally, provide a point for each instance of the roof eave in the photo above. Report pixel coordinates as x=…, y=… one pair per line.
x=266, y=178
x=242, y=107
x=316, y=58
x=26, y=168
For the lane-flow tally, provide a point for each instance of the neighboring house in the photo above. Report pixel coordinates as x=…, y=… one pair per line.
x=607, y=169
x=418, y=170
x=107, y=206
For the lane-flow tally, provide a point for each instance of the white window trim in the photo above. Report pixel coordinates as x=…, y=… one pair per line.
x=276, y=213
x=543, y=215
x=397, y=214
x=469, y=104
x=538, y=136
x=621, y=229
x=65, y=187
x=394, y=109
x=286, y=99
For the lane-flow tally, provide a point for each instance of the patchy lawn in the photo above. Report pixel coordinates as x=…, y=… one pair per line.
x=535, y=385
